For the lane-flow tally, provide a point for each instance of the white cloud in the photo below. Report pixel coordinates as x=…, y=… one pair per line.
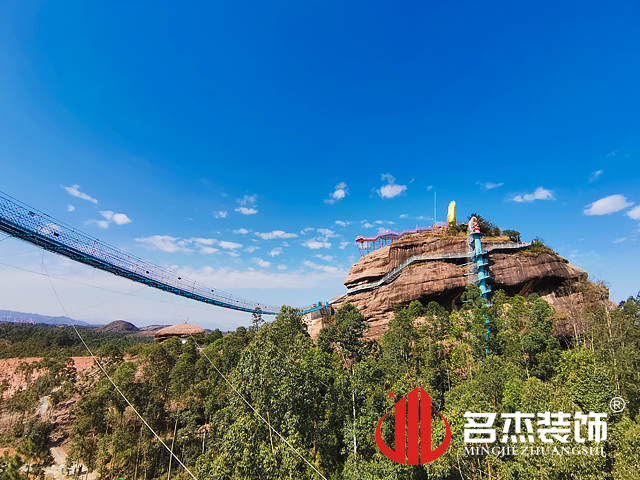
x=540, y=194
x=316, y=244
x=634, y=213
x=368, y=225
x=595, y=175
x=102, y=224
x=262, y=263
x=324, y=268
x=242, y=231
x=229, y=245
x=246, y=211
x=75, y=191
x=70, y=208
x=170, y=244
x=326, y=258
x=620, y=240
x=340, y=191
x=275, y=234
x=307, y=230
x=423, y=217
x=251, y=249
x=429, y=187
x=404, y=215
x=261, y=279
x=117, y=218
x=248, y=200
x=246, y=205
x=220, y=214
x=341, y=223
x=285, y=244
x=382, y=222
x=391, y=189
x=282, y=267
x=490, y=185
x=275, y=252
x=164, y=243
x=607, y=205
x=203, y=241
x=344, y=245
x=121, y=219
x=612, y=154
x=326, y=232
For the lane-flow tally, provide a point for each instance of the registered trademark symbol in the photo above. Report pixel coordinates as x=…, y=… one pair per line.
x=617, y=404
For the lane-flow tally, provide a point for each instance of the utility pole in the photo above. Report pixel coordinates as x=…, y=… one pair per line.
x=434, y=207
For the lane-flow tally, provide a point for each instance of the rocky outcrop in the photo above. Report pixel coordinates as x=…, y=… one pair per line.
x=575, y=303
x=181, y=331
x=523, y=273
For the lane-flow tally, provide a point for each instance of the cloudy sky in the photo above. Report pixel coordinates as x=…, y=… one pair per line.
x=246, y=144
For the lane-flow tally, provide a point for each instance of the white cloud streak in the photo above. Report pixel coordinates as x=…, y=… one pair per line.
x=634, y=213
x=276, y=234
x=540, y=194
x=229, y=245
x=316, y=244
x=324, y=268
x=246, y=211
x=607, y=205
x=595, y=175
x=117, y=218
x=75, y=191
x=164, y=243
x=261, y=262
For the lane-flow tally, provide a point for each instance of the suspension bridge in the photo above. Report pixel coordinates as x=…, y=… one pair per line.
x=30, y=225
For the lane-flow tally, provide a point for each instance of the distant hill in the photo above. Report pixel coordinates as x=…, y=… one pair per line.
x=118, y=326
x=21, y=317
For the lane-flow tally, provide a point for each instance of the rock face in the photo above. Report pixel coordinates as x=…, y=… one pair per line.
x=182, y=331
x=523, y=273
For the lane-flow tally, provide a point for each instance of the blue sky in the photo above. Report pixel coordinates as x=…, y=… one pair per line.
x=246, y=144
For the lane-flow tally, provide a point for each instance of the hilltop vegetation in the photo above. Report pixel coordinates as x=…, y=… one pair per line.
x=326, y=397
x=39, y=340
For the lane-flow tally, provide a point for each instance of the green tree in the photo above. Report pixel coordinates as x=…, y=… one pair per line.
x=513, y=235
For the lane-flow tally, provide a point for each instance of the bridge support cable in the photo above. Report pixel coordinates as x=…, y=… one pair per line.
x=104, y=371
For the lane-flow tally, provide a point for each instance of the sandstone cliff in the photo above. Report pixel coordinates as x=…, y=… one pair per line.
x=523, y=272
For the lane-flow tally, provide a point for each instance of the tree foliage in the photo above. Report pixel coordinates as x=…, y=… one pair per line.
x=271, y=403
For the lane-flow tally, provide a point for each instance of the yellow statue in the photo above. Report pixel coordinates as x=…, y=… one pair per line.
x=451, y=215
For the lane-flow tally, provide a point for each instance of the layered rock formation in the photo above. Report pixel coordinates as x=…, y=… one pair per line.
x=522, y=272
x=183, y=330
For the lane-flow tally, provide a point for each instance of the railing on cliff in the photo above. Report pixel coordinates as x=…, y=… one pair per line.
x=30, y=225
x=394, y=273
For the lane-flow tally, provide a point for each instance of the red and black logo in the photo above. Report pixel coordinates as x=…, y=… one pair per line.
x=414, y=447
